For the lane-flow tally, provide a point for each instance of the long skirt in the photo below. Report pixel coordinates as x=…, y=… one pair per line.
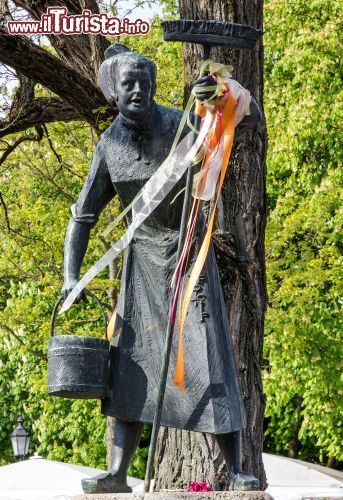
x=212, y=400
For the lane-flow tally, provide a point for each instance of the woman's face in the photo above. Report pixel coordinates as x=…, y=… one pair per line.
x=133, y=90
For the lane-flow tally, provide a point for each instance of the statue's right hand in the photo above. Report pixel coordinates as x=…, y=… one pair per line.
x=68, y=287
x=203, y=83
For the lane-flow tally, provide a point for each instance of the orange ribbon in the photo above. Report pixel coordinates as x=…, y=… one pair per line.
x=224, y=132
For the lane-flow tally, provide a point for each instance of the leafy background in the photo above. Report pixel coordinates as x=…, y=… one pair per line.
x=303, y=349
x=303, y=354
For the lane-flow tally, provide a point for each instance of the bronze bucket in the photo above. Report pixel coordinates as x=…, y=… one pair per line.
x=77, y=365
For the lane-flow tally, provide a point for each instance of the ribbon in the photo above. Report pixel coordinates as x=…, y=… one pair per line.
x=225, y=141
x=156, y=188
x=242, y=99
x=151, y=195
x=212, y=68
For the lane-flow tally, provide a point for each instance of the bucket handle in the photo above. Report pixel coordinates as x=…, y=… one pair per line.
x=59, y=302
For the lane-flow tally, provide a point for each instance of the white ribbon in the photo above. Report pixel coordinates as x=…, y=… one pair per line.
x=151, y=195
x=213, y=165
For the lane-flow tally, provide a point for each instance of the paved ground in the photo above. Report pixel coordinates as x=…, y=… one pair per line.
x=176, y=495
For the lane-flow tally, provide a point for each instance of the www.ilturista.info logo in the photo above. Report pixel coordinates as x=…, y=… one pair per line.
x=56, y=21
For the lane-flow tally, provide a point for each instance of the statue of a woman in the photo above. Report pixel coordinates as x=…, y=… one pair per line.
x=127, y=154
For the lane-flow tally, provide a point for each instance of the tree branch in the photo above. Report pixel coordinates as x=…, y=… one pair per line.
x=47, y=177
x=4, y=206
x=9, y=330
x=22, y=271
x=5, y=12
x=11, y=231
x=78, y=143
x=25, y=92
x=38, y=65
x=82, y=52
x=12, y=147
x=58, y=157
x=37, y=112
x=71, y=76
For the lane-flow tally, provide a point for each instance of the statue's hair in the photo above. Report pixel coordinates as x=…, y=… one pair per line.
x=115, y=56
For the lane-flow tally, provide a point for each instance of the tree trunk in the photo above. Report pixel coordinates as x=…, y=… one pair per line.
x=183, y=457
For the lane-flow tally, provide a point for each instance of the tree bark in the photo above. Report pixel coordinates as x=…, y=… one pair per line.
x=182, y=456
x=37, y=112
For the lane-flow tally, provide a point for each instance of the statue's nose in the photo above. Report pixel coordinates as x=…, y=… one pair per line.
x=137, y=87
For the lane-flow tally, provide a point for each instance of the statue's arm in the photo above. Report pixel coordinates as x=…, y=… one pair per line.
x=97, y=192
x=75, y=246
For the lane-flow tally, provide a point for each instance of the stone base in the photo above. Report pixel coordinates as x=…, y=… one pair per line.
x=180, y=495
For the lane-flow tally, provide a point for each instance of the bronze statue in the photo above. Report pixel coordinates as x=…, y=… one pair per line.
x=127, y=154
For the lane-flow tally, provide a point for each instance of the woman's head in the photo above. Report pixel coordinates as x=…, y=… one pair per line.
x=128, y=81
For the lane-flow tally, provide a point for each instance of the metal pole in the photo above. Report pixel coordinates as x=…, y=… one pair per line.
x=170, y=326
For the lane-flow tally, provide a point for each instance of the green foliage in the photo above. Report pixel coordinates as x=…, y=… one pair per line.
x=303, y=93
x=170, y=8
x=38, y=188
x=304, y=251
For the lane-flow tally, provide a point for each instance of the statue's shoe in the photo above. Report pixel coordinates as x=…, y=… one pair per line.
x=105, y=483
x=243, y=481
